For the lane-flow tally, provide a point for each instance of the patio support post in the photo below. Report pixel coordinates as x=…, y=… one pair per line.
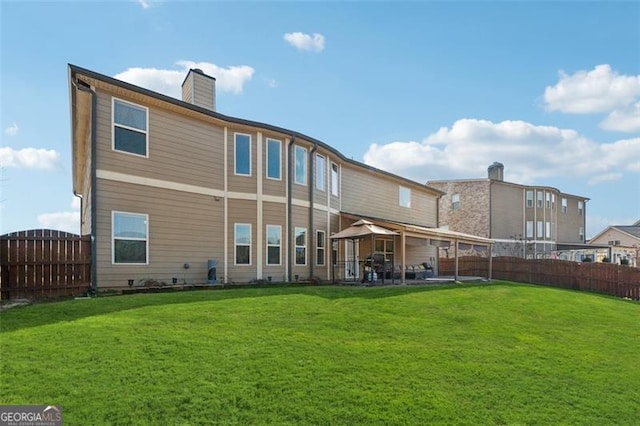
x=490, y=262
x=455, y=277
x=403, y=242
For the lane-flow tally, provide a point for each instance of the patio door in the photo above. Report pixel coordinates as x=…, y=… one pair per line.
x=351, y=267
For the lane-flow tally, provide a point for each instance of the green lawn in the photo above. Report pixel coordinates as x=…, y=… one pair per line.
x=468, y=354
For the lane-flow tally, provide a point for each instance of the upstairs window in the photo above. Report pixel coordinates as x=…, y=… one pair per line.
x=564, y=205
x=242, y=154
x=539, y=199
x=274, y=155
x=130, y=128
x=580, y=208
x=529, y=198
x=404, y=196
x=320, y=172
x=548, y=199
x=300, y=166
x=581, y=233
x=334, y=179
x=455, y=201
x=130, y=233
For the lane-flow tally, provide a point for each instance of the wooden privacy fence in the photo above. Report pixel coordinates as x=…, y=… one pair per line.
x=44, y=263
x=606, y=278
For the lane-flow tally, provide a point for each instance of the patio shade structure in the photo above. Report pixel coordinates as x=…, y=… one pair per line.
x=360, y=229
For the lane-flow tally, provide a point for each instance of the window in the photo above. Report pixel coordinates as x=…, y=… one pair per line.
x=564, y=205
x=540, y=230
x=274, y=155
x=334, y=179
x=274, y=242
x=548, y=199
x=130, y=128
x=404, y=196
x=580, y=207
x=320, y=172
x=320, y=249
x=553, y=201
x=130, y=238
x=581, y=233
x=455, y=201
x=301, y=165
x=243, y=243
x=301, y=246
x=529, y=198
x=539, y=199
x=243, y=154
x=529, y=229
x=386, y=247
x=548, y=229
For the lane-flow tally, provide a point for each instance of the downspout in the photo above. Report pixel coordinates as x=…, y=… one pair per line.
x=311, y=201
x=290, y=235
x=94, y=105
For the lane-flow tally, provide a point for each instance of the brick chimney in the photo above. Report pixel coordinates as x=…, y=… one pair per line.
x=496, y=171
x=199, y=89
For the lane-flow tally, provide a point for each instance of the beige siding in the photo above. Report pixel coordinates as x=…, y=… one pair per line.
x=507, y=212
x=275, y=214
x=203, y=91
x=368, y=193
x=183, y=228
x=242, y=211
x=612, y=234
x=180, y=149
x=569, y=223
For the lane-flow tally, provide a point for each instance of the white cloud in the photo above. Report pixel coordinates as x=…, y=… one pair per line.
x=623, y=120
x=302, y=41
x=63, y=221
x=272, y=83
x=12, y=130
x=30, y=158
x=144, y=3
x=595, y=91
x=529, y=153
x=607, y=177
x=168, y=82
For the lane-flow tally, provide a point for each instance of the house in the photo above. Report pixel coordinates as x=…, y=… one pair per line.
x=623, y=242
x=522, y=220
x=173, y=191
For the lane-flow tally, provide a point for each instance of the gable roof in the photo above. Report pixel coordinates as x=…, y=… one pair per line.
x=631, y=230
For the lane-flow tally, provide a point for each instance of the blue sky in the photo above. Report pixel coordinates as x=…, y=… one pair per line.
x=427, y=90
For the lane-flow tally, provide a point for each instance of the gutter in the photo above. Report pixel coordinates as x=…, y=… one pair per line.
x=311, y=209
x=93, y=197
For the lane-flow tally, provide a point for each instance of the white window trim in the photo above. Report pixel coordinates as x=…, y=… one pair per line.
x=455, y=201
x=114, y=124
x=266, y=260
x=529, y=230
x=529, y=201
x=540, y=230
x=236, y=245
x=113, y=238
x=279, y=159
x=295, y=252
x=335, y=193
x=323, y=248
x=565, y=209
x=235, y=154
x=295, y=165
x=400, y=190
x=539, y=199
x=324, y=173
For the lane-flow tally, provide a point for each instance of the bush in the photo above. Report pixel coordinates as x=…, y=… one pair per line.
x=606, y=260
x=624, y=261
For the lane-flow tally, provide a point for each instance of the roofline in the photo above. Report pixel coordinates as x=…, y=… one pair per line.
x=617, y=227
x=507, y=183
x=74, y=70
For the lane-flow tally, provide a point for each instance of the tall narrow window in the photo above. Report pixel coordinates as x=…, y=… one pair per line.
x=455, y=201
x=301, y=246
x=404, y=196
x=581, y=233
x=274, y=155
x=243, y=154
x=300, y=165
x=580, y=208
x=320, y=249
x=334, y=179
x=548, y=199
x=529, y=198
x=529, y=229
x=243, y=243
x=564, y=205
x=130, y=128
x=553, y=201
x=548, y=233
x=130, y=241
x=540, y=233
x=320, y=172
x=274, y=242
x=539, y=199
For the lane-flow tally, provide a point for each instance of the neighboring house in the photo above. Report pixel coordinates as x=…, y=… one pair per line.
x=522, y=220
x=623, y=242
x=169, y=185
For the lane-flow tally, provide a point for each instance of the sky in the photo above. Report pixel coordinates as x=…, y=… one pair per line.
x=426, y=90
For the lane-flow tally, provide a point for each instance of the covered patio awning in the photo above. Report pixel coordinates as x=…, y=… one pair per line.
x=360, y=229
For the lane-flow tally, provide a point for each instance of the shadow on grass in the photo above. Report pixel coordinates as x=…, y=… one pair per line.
x=71, y=310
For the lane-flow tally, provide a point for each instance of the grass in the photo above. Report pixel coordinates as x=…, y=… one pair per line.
x=475, y=354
